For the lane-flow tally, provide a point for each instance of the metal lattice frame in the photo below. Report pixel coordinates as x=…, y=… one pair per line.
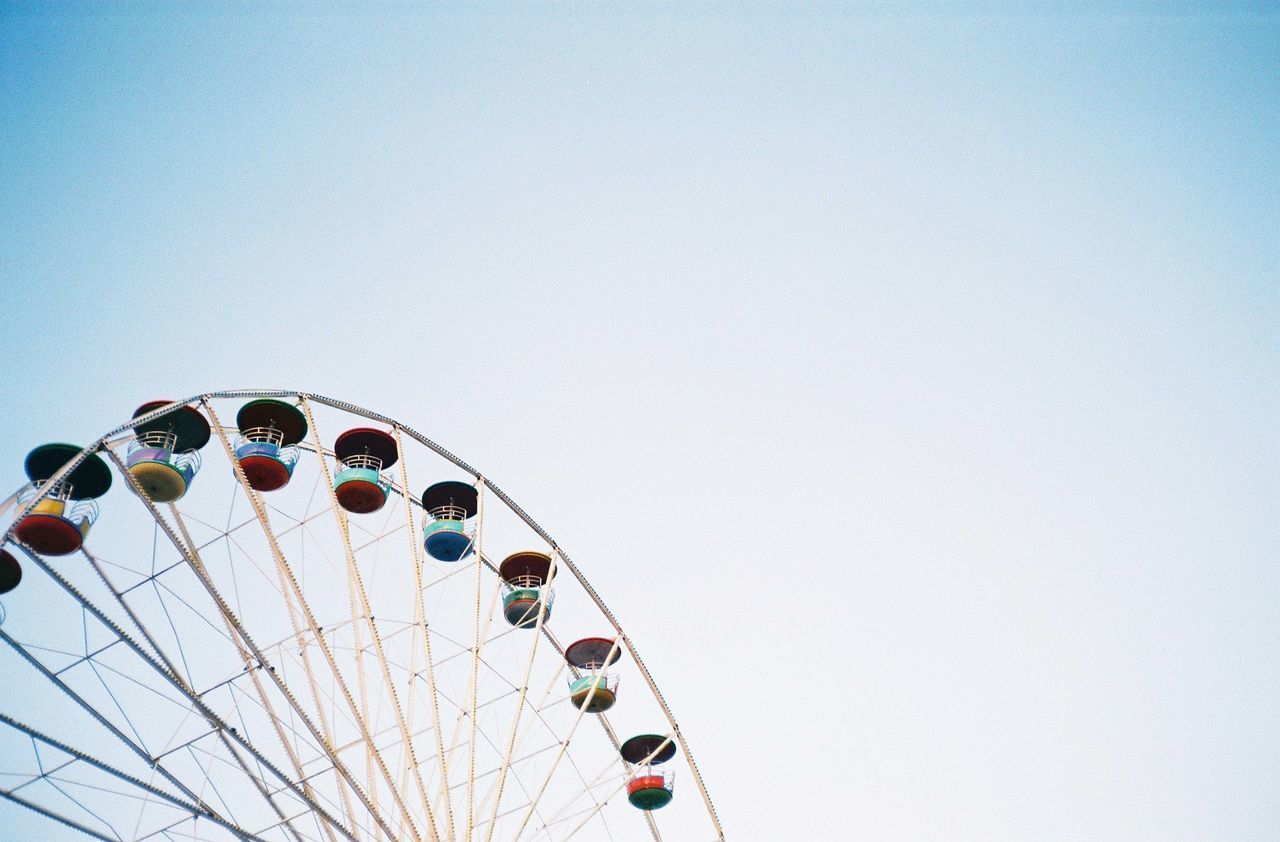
x=335, y=722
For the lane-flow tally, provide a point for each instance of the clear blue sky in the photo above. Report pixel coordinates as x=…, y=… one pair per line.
x=956, y=324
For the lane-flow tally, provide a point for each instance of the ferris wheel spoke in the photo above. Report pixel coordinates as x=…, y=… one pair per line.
x=496, y=748
x=587, y=813
x=195, y=807
x=75, y=697
x=475, y=675
x=494, y=771
x=480, y=638
x=135, y=747
x=57, y=817
x=288, y=743
x=197, y=566
x=473, y=691
x=261, y=786
x=530, y=726
x=512, y=763
x=361, y=715
x=586, y=789
x=470, y=712
x=601, y=718
x=539, y=622
x=546, y=632
x=360, y=602
x=298, y=605
x=421, y=635
x=289, y=746
x=249, y=667
x=603, y=778
x=205, y=767
x=155, y=587
x=564, y=746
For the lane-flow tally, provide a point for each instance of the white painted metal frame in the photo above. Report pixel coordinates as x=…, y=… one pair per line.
x=420, y=667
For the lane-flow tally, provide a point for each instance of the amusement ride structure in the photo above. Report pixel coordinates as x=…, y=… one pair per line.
x=259, y=632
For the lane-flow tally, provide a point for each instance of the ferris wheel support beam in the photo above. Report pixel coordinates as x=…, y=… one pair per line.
x=197, y=810
x=475, y=662
x=325, y=728
x=462, y=711
x=285, y=573
x=530, y=725
x=324, y=736
x=276, y=721
x=564, y=746
x=49, y=814
x=420, y=627
x=198, y=807
x=164, y=671
x=197, y=565
x=559, y=815
x=360, y=600
x=538, y=622
x=185, y=547
x=137, y=621
x=172, y=668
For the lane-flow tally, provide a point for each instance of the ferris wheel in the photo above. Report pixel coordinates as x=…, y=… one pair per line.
x=271, y=615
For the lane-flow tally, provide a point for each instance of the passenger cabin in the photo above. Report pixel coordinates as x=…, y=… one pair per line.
x=525, y=575
x=649, y=786
x=363, y=453
x=450, y=504
x=10, y=572
x=266, y=447
x=64, y=510
x=165, y=455
x=594, y=690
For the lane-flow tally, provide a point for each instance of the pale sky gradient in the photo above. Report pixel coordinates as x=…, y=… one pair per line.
x=903, y=375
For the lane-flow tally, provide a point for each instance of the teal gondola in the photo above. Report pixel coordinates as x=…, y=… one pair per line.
x=594, y=690
x=363, y=453
x=526, y=595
